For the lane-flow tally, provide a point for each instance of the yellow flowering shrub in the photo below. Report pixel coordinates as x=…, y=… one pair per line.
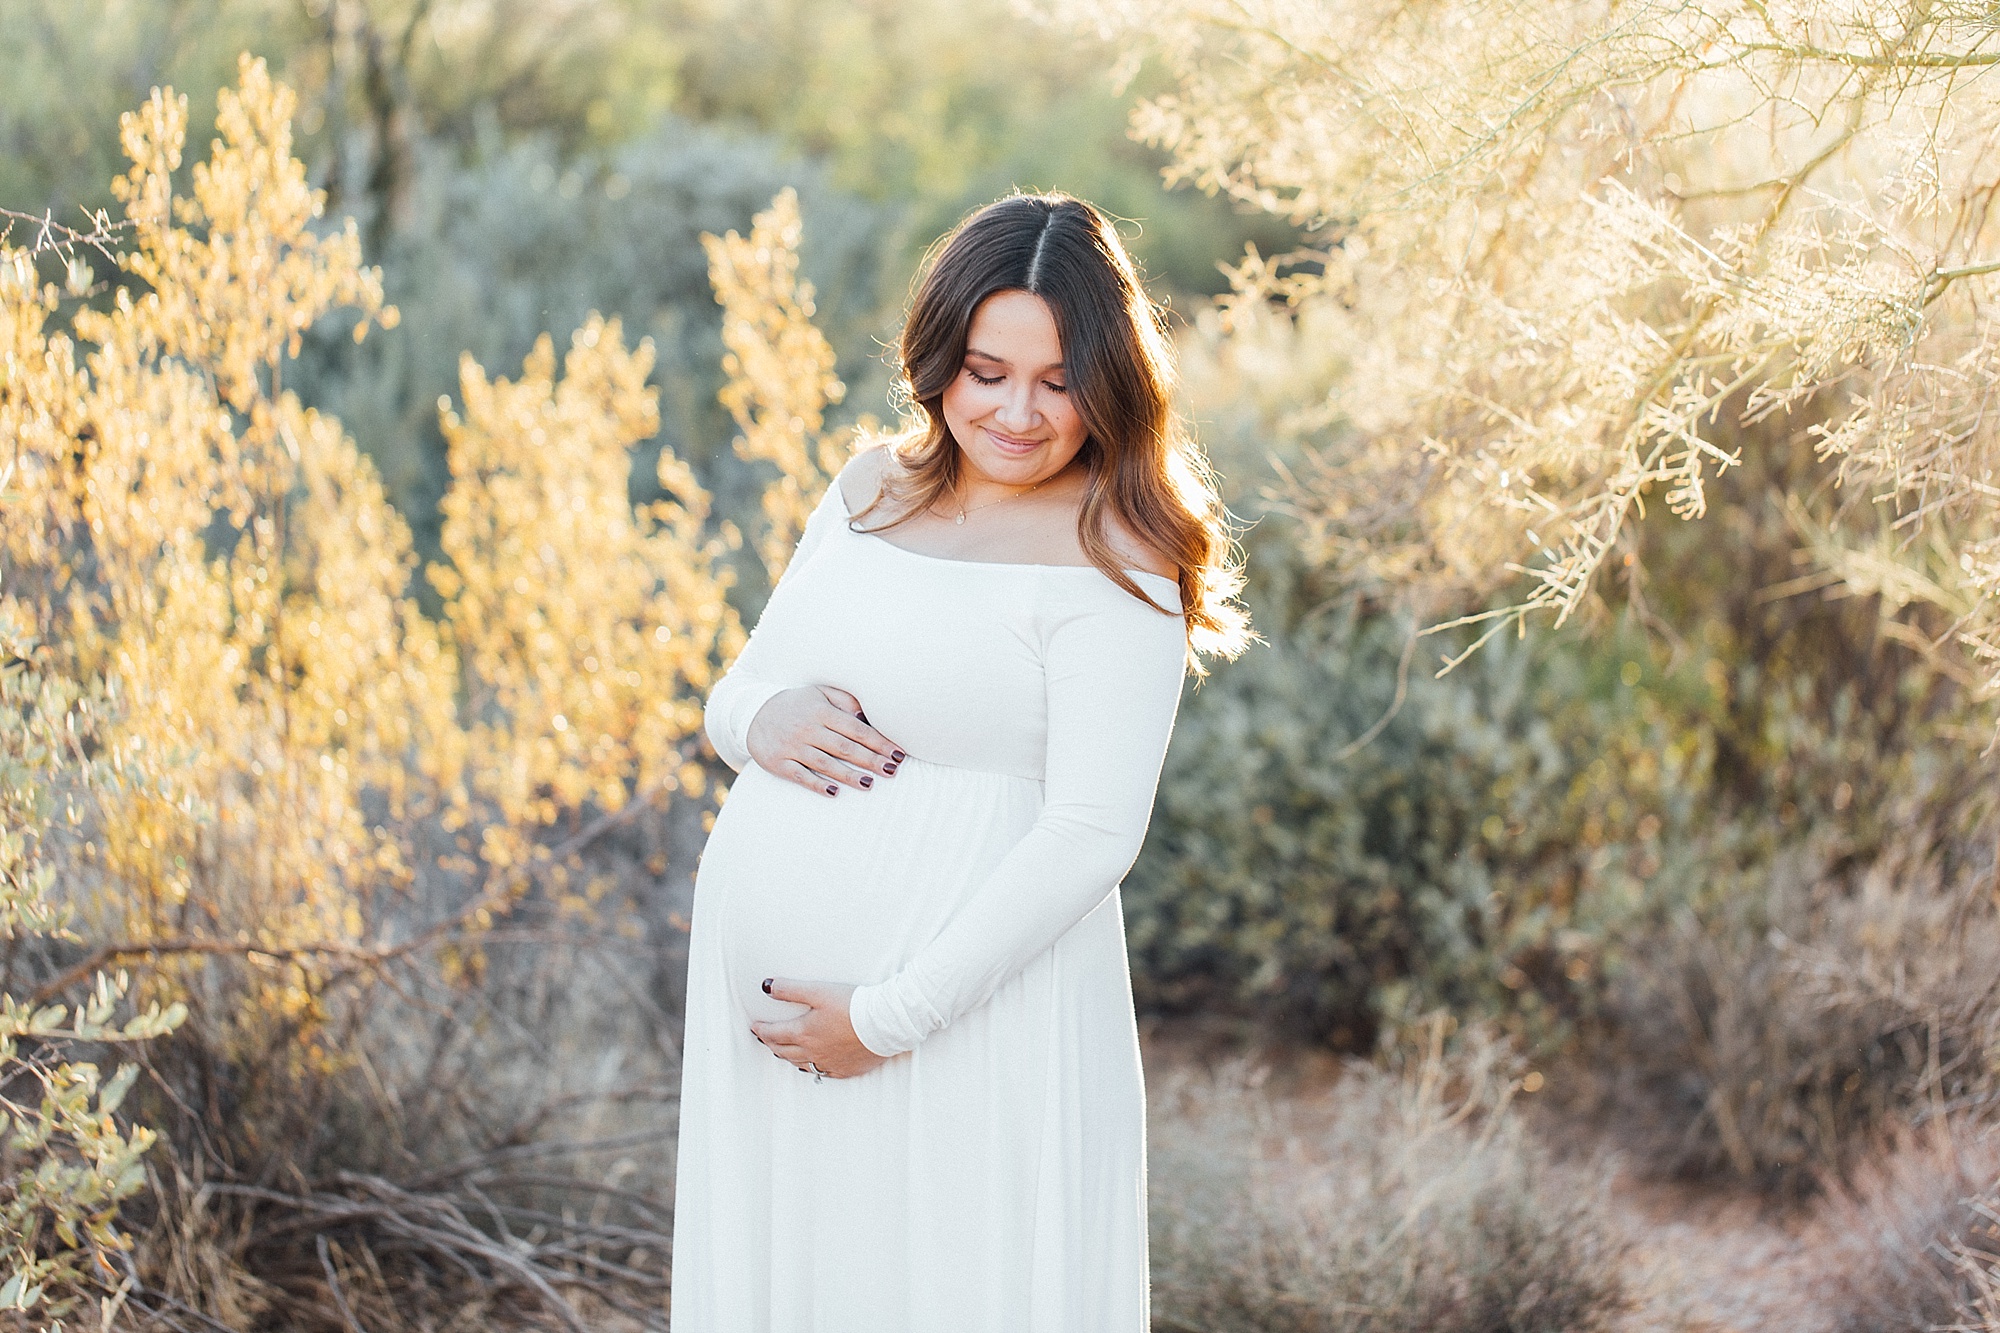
x=587, y=632
x=224, y=558
x=780, y=369
x=293, y=737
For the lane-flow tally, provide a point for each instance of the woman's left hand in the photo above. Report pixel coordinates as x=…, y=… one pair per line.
x=822, y=1037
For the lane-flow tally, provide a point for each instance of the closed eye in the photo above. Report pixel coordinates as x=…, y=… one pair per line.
x=990, y=380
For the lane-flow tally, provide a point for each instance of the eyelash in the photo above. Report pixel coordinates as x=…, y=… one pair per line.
x=978, y=378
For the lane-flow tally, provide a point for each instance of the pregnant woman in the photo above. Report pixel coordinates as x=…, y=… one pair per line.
x=911, y=1100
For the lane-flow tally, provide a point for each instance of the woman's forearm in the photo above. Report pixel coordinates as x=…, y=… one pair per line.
x=1114, y=684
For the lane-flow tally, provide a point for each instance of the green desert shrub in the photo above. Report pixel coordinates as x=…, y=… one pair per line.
x=68, y=1161
x=1481, y=852
x=1327, y=860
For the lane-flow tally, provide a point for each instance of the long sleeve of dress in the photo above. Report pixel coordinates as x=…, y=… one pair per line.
x=735, y=699
x=1114, y=668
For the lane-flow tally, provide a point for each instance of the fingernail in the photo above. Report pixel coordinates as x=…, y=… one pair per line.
x=897, y=755
x=832, y=790
x=866, y=780
x=767, y=984
x=890, y=769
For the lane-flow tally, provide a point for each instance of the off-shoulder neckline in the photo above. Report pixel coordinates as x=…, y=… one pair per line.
x=840, y=497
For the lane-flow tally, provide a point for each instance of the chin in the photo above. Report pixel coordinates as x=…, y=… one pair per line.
x=1012, y=470
x=1008, y=466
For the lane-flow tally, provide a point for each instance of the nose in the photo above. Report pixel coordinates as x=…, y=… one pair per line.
x=1017, y=411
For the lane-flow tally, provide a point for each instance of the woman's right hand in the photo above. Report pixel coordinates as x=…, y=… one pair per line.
x=818, y=737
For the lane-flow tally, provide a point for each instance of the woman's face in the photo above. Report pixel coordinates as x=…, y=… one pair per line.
x=1009, y=408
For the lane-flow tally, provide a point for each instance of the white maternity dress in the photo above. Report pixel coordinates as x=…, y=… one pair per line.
x=991, y=1177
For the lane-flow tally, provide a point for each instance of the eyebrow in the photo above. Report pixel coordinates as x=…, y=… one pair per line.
x=1003, y=361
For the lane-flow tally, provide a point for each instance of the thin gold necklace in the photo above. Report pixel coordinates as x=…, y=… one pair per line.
x=963, y=511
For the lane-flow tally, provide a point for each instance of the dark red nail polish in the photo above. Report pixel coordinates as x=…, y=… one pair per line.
x=897, y=755
x=767, y=984
x=890, y=769
x=866, y=780
x=832, y=790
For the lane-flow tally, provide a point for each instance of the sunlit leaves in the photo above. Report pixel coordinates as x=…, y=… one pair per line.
x=587, y=631
x=65, y=1162
x=780, y=369
x=1571, y=251
x=226, y=726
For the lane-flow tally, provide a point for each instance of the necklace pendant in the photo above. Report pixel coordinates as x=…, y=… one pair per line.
x=960, y=520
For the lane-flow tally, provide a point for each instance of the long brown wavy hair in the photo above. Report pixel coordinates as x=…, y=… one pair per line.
x=1142, y=464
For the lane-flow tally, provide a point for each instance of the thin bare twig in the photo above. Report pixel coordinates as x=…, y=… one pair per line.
x=1354, y=746
x=443, y=1230
x=54, y=237
x=333, y=1285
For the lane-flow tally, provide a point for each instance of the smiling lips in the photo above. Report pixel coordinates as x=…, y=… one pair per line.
x=1010, y=444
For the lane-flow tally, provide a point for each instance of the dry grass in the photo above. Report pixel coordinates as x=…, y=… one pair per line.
x=1774, y=1042
x=1404, y=1200
x=1900, y=1243
x=494, y=1152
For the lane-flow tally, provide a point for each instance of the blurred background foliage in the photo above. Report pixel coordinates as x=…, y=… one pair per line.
x=515, y=165
x=1720, y=856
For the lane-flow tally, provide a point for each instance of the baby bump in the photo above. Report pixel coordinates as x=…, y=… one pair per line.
x=845, y=889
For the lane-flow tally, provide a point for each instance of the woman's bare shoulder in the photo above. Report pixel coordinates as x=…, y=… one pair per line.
x=860, y=480
x=1134, y=552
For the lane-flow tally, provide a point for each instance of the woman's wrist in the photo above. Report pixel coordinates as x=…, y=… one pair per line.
x=864, y=1016
x=729, y=726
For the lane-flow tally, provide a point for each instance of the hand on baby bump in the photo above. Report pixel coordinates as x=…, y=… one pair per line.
x=818, y=737
x=821, y=1038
